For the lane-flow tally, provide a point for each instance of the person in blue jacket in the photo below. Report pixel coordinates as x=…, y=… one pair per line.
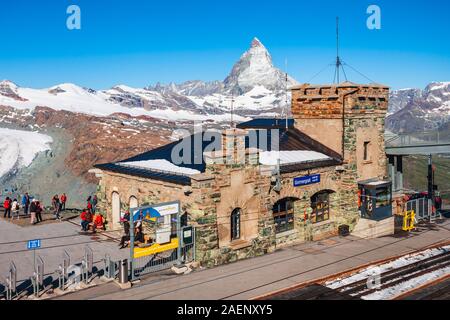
x=25, y=203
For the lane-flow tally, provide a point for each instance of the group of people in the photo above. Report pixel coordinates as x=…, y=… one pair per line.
x=90, y=218
x=11, y=208
x=58, y=205
x=138, y=233
x=33, y=207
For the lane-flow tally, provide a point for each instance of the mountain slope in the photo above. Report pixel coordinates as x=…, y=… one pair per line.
x=412, y=110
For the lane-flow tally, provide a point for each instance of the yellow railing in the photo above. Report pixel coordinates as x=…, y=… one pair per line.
x=155, y=248
x=409, y=220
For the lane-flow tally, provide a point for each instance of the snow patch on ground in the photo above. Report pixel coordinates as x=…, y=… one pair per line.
x=373, y=270
x=391, y=292
x=19, y=148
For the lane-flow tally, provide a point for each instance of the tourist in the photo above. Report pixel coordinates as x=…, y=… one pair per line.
x=89, y=204
x=56, y=206
x=97, y=222
x=33, y=209
x=126, y=230
x=63, y=202
x=25, y=203
x=85, y=220
x=138, y=234
x=94, y=203
x=39, y=209
x=7, y=206
x=15, y=209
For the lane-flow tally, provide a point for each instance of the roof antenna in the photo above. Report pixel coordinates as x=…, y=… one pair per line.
x=338, y=58
x=232, y=111
x=286, y=102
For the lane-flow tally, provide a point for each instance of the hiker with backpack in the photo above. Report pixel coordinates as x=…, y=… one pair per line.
x=33, y=209
x=56, y=207
x=15, y=209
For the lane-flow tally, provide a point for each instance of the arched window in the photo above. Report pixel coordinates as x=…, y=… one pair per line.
x=115, y=203
x=320, y=204
x=283, y=215
x=133, y=202
x=236, y=224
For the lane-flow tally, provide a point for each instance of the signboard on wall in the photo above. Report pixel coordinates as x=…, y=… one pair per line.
x=188, y=235
x=306, y=180
x=153, y=212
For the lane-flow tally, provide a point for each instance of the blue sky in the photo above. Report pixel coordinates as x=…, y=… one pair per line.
x=141, y=42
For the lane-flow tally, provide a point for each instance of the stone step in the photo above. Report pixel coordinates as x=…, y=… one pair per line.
x=370, y=229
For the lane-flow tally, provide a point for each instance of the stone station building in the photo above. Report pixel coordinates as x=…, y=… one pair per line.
x=271, y=182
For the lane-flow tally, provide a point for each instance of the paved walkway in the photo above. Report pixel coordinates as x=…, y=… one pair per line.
x=287, y=267
x=56, y=237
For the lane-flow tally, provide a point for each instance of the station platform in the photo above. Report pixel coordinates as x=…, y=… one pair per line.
x=287, y=267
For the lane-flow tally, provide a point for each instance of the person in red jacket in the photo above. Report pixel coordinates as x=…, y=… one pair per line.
x=63, y=199
x=89, y=204
x=85, y=219
x=7, y=206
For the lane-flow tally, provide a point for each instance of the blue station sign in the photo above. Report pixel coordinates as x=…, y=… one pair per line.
x=33, y=244
x=306, y=180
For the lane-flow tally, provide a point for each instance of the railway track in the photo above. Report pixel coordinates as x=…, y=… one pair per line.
x=397, y=276
x=424, y=274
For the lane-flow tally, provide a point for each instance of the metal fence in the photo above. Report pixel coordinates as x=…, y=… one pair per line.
x=163, y=260
x=67, y=274
x=423, y=209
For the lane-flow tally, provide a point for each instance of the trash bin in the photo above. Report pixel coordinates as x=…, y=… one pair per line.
x=123, y=271
x=343, y=230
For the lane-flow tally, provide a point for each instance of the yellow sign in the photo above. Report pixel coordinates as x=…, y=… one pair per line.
x=156, y=248
x=409, y=220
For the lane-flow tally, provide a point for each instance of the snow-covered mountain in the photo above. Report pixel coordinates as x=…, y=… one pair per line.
x=417, y=110
x=254, y=84
x=255, y=68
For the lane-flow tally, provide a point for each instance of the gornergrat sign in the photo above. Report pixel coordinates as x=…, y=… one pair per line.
x=306, y=180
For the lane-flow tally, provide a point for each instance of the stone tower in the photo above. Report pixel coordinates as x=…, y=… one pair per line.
x=348, y=118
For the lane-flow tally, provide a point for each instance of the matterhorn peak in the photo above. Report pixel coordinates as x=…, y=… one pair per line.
x=256, y=43
x=255, y=68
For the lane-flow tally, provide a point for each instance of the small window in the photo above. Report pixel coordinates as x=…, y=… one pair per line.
x=236, y=224
x=366, y=150
x=283, y=215
x=320, y=203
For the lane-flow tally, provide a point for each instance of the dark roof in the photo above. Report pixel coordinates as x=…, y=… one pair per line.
x=266, y=123
x=291, y=139
x=151, y=174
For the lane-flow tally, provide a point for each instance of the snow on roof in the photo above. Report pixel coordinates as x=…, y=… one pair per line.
x=377, y=183
x=160, y=165
x=270, y=158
